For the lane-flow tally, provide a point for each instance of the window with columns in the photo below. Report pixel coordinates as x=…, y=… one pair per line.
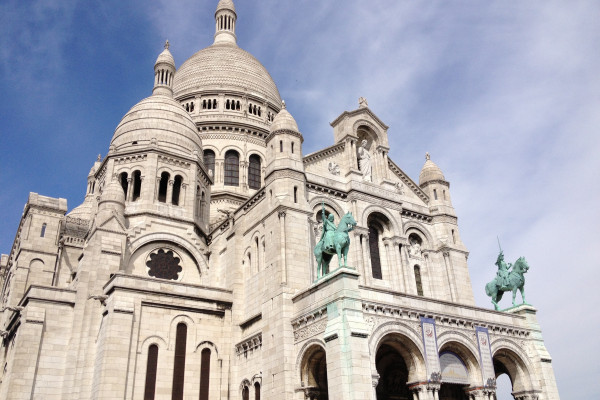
x=254, y=180
x=137, y=185
x=163, y=185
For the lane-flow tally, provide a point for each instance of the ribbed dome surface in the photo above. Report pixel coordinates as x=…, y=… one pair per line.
x=165, y=57
x=161, y=118
x=430, y=172
x=113, y=192
x=225, y=66
x=284, y=120
x=226, y=5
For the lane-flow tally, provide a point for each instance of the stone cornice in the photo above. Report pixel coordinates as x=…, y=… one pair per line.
x=326, y=152
x=416, y=215
x=317, y=188
x=284, y=132
x=358, y=111
x=409, y=182
x=250, y=344
x=438, y=181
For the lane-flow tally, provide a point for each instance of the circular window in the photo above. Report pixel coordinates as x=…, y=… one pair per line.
x=164, y=264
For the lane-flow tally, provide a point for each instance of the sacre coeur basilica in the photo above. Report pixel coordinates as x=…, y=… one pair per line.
x=212, y=259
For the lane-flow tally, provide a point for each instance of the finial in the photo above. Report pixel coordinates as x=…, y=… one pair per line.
x=362, y=102
x=427, y=156
x=167, y=45
x=283, y=104
x=99, y=157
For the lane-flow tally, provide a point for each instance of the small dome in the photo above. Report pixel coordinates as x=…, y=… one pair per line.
x=159, y=120
x=430, y=172
x=225, y=5
x=284, y=121
x=113, y=192
x=85, y=210
x=165, y=57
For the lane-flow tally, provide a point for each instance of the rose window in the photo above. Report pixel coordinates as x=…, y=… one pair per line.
x=164, y=264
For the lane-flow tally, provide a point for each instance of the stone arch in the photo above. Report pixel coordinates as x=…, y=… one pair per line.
x=191, y=331
x=207, y=344
x=313, y=369
x=233, y=147
x=37, y=264
x=461, y=345
x=406, y=341
x=153, y=339
x=510, y=359
x=373, y=208
x=374, y=131
x=164, y=237
x=315, y=205
x=411, y=226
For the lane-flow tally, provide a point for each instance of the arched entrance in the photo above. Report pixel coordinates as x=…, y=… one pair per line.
x=393, y=374
x=459, y=367
x=313, y=373
x=510, y=363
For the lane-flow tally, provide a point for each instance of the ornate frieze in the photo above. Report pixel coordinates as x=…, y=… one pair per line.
x=310, y=324
x=407, y=181
x=416, y=215
x=316, y=188
x=249, y=345
x=132, y=158
x=174, y=161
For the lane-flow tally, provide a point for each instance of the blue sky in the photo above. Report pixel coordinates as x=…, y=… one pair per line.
x=504, y=95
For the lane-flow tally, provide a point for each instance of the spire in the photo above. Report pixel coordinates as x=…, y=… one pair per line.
x=225, y=18
x=164, y=69
x=430, y=172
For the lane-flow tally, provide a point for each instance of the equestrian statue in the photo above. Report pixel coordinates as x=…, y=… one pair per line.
x=334, y=240
x=508, y=278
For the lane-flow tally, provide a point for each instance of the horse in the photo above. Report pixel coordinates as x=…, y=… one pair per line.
x=516, y=280
x=341, y=242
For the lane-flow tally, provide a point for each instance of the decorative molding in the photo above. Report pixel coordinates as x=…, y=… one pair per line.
x=316, y=188
x=416, y=215
x=251, y=344
x=133, y=158
x=409, y=182
x=324, y=153
x=174, y=161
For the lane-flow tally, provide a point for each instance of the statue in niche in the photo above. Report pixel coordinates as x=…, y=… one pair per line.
x=334, y=168
x=415, y=247
x=364, y=161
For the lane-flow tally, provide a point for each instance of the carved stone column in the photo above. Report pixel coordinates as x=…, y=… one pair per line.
x=157, y=189
x=450, y=276
x=375, y=382
x=182, y=195
x=281, y=215
x=367, y=260
x=409, y=280
x=244, y=174
x=169, y=191
x=129, y=189
x=428, y=272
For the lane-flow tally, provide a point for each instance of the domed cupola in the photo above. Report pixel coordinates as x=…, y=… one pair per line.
x=430, y=172
x=158, y=121
x=433, y=182
x=225, y=18
x=164, y=69
x=284, y=143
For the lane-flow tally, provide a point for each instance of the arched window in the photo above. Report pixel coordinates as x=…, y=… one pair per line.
x=209, y=160
x=43, y=231
x=418, y=280
x=137, y=185
x=281, y=146
x=374, y=249
x=254, y=172
x=245, y=393
x=435, y=194
x=257, y=254
x=123, y=182
x=232, y=168
x=256, y=391
x=179, y=362
x=295, y=194
x=150, y=387
x=176, y=190
x=237, y=105
x=204, y=374
x=292, y=147
x=162, y=187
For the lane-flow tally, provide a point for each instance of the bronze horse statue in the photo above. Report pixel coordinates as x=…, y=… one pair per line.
x=516, y=281
x=341, y=245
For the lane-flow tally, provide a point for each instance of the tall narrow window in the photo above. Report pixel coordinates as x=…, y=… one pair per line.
x=292, y=147
x=444, y=194
x=209, y=160
x=257, y=254
x=137, y=185
x=374, y=249
x=435, y=194
x=179, y=364
x=123, y=181
x=245, y=393
x=418, y=280
x=256, y=391
x=204, y=374
x=254, y=172
x=43, y=231
x=176, y=190
x=295, y=194
x=162, y=187
x=281, y=146
x=232, y=168
x=151, y=372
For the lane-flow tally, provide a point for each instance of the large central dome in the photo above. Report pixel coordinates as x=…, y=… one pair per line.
x=225, y=66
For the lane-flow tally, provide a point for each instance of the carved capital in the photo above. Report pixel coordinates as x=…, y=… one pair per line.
x=281, y=214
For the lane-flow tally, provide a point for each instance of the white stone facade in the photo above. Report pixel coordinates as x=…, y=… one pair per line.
x=188, y=271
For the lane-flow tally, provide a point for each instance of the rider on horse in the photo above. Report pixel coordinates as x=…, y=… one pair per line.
x=503, y=270
x=329, y=229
